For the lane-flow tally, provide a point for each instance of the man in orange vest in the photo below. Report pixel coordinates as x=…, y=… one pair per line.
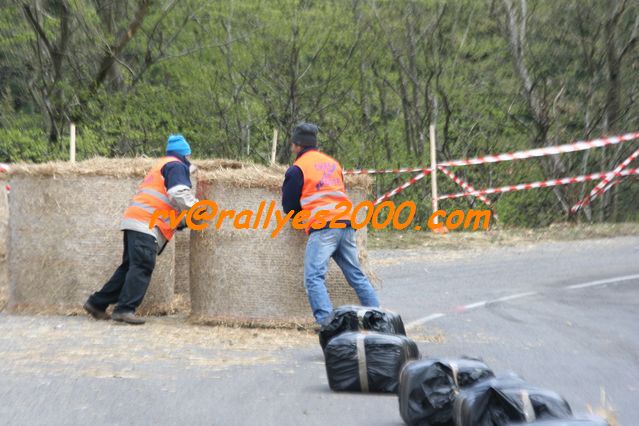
x=167, y=186
x=315, y=183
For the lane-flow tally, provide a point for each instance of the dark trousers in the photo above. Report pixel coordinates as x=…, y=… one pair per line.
x=130, y=281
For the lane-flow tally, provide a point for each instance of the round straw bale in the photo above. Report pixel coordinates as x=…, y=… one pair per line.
x=65, y=241
x=182, y=258
x=182, y=262
x=244, y=276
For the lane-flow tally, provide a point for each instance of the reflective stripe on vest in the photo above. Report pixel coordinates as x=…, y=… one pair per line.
x=156, y=194
x=148, y=209
x=150, y=197
x=305, y=201
x=323, y=187
x=326, y=207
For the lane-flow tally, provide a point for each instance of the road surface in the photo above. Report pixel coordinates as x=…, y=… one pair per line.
x=563, y=315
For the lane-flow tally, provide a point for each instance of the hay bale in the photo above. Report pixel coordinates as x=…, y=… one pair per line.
x=65, y=240
x=182, y=261
x=98, y=166
x=114, y=167
x=182, y=258
x=246, y=277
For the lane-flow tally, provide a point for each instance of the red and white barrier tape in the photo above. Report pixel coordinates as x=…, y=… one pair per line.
x=542, y=184
x=518, y=155
x=603, y=186
x=423, y=174
x=542, y=152
x=465, y=186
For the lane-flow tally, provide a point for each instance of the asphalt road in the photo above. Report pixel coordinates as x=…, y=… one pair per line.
x=562, y=315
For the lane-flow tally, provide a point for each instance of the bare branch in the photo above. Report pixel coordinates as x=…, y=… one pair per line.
x=38, y=29
x=632, y=41
x=109, y=59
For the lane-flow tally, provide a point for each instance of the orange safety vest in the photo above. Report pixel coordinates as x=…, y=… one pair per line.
x=323, y=187
x=151, y=196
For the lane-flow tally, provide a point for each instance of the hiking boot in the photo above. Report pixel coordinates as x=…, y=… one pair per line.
x=127, y=317
x=95, y=312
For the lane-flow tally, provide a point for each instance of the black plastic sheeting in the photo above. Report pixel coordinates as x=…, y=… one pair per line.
x=356, y=318
x=568, y=422
x=428, y=388
x=506, y=399
x=368, y=361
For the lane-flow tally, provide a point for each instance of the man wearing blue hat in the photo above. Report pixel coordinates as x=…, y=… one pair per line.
x=166, y=187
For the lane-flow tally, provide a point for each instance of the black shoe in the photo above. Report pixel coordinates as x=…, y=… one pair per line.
x=127, y=317
x=95, y=312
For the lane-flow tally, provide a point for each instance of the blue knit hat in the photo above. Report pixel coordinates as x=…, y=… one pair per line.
x=178, y=144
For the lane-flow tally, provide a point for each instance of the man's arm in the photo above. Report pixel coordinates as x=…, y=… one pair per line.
x=177, y=181
x=292, y=189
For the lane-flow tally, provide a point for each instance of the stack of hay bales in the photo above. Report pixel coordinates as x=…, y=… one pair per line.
x=65, y=240
x=243, y=276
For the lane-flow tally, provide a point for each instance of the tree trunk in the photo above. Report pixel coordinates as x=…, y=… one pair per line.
x=114, y=51
x=516, y=24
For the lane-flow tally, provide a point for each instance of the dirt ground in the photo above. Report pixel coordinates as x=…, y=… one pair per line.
x=4, y=283
x=63, y=344
x=4, y=297
x=497, y=236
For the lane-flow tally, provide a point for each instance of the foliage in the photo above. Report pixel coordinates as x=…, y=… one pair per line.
x=493, y=75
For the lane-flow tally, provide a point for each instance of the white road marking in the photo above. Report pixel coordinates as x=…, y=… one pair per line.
x=475, y=305
x=423, y=320
x=483, y=303
x=601, y=282
x=514, y=296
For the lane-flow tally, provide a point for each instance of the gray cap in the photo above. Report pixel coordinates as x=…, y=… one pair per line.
x=305, y=134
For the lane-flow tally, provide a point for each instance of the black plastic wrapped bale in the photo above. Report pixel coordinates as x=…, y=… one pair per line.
x=593, y=421
x=356, y=318
x=367, y=362
x=507, y=399
x=428, y=388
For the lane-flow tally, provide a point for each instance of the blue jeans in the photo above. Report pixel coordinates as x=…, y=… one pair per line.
x=340, y=245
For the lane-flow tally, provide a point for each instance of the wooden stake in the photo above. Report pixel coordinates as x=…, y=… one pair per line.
x=274, y=147
x=433, y=170
x=72, y=142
